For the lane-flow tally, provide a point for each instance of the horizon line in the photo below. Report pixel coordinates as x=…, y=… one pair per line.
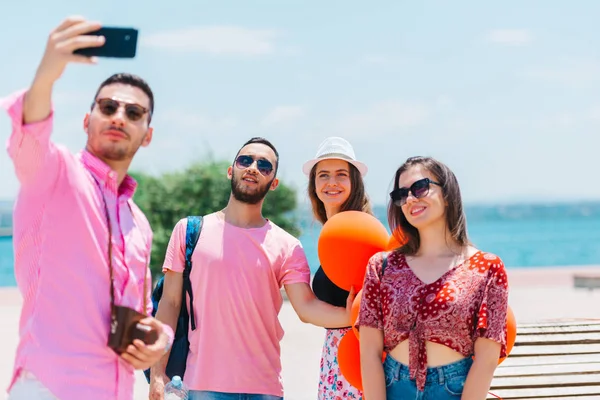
x=478, y=203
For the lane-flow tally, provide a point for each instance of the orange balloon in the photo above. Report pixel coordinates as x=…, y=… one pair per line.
x=346, y=243
x=354, y=312
x=349, y=359
x=396, y=240
x=511, y=333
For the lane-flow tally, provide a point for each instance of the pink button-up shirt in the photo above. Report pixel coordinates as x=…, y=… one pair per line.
x=61, y=263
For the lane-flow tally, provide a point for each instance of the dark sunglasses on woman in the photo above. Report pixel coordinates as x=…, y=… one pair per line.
x=418, y=189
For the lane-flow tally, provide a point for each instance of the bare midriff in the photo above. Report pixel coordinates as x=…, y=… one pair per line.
x=437, y=354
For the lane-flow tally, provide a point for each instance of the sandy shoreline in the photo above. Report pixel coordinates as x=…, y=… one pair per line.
x=536, y=294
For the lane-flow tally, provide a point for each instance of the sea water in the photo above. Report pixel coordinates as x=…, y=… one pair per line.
x=526, y=236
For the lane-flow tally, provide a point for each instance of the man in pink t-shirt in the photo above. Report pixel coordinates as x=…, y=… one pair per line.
x=240, y=263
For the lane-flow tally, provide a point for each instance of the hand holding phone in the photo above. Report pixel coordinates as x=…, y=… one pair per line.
x=63, y=41
x=81, y=41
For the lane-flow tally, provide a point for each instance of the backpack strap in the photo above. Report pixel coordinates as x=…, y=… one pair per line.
x=192, y=233
x=383, y=264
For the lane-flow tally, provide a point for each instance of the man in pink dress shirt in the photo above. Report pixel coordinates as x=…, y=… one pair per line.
x=61, y=234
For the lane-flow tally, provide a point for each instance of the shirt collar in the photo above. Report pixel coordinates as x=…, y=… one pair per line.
x=101, y=171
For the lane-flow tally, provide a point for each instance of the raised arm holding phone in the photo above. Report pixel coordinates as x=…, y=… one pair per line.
x=82, y=246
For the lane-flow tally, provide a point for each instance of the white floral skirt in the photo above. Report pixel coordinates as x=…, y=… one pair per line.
x=332, y=384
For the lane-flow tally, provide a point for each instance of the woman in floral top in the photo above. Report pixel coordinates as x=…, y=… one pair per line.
x=335, y=184
x=433, y=303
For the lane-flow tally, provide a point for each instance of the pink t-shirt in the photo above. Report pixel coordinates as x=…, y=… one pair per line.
x=236, y=277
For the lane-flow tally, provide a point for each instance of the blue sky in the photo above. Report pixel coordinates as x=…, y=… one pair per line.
x=506, y=94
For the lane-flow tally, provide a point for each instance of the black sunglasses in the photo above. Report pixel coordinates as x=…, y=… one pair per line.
x=108, y=107
x=264, y=166
x=418, y=189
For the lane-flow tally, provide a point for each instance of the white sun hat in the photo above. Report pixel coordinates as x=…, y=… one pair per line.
x=335, y=148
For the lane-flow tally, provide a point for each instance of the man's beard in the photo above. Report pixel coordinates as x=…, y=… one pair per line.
x=115, y=151
x=249, y=198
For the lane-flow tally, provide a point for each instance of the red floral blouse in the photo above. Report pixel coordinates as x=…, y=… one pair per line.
x=467, y=302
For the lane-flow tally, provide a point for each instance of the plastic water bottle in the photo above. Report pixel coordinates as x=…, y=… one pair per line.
x=176, y=390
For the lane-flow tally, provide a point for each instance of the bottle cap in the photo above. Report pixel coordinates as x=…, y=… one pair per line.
x=176, y=381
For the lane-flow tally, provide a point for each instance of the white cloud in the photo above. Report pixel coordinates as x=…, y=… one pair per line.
x=182, y=137
x=376, y=59
x=292, y=51
x=594, y=113
x=510, y=37
x=557, y=121
x=572, y=73
x=219, y=39
x=583, y=119
x=282, y=114
x=444, y=102
x=382, y=118
x=62, y=98
x=195, y=122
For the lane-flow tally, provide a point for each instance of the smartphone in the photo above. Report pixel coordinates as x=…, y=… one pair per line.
x=119, y=43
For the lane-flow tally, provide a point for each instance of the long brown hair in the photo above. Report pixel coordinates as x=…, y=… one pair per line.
x=456, y=221
x=357, y=201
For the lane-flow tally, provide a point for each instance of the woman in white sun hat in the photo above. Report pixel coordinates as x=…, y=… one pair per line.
x=335, y=184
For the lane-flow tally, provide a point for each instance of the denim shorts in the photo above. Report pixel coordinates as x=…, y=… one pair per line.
x=442, y=383
x=28, y=387
x=205, y=395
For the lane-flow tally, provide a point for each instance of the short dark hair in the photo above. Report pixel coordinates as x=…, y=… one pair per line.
x=261, y=140
x=131, y=80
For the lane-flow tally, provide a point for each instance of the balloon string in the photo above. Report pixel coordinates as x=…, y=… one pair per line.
x=498, y=397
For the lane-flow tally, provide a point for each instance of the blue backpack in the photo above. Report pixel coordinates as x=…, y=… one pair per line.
x=180, y=348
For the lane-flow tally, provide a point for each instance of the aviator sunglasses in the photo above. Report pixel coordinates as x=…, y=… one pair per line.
x=109, y=107
x=418, y=189
x=264, y=167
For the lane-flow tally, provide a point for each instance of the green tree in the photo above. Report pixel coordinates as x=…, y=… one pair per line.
x=200, y=189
